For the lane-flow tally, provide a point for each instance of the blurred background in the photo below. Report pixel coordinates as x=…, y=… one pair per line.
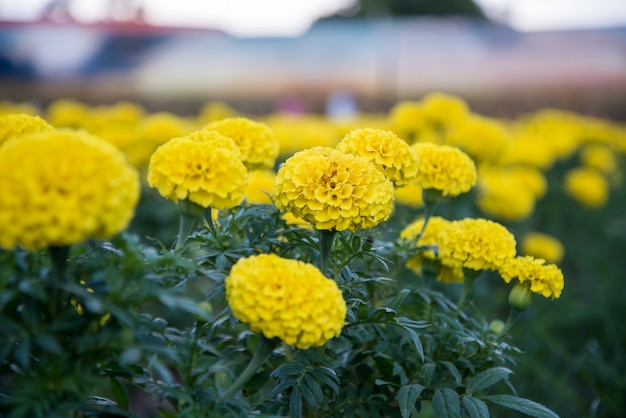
x=502, y=56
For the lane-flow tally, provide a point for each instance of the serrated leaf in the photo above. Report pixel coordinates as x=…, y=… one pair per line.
x=475, y=407
x=406, y=397
x=446, y=404
x=522, y=405
x=120, y=394
x=486, y=379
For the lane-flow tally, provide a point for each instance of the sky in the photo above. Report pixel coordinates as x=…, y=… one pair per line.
x=292, y=18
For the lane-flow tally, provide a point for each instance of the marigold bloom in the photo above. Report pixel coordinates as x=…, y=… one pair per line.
x=385, y=150
x=260, y=186
x=60, y=188
x=477, y=244
x=19, y=125
x=587, y=186
x=444, y=111
x=600, y=157
x=444, y=168
x=288, y=299
x=333, y=190
x=482, y=138
x=543, y=246
x=67, y=113
x=203, y=167
x=545, y=279
x=296, y=132
x=430, y=237
x=256, y=140
x=408, y=120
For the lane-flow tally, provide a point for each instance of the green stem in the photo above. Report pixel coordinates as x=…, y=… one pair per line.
x=431, y=198
x=263, y=351
x=514, y=315
x=58, y=257
x=212, y=227
x=470, y=277
x=189, y=212
x=326, y=239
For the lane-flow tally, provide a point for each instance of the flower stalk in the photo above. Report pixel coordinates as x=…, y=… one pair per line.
x=189, y=212
x=326, y=238
x=264, y=348
x=470, y=277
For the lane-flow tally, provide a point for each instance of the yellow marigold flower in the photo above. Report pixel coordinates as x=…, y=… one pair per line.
x=482, y=138
x=60, y=188
x=8, y=107
x=444, y=111
x=67, y=113
x=385, y=150
x=333, y=190
x=444, y=168
x=203, y=167
x=542, y=246
x=216, y=110
x=19, y=125
x=599, y=157
x=430, y=237
x=477, y=244
x=297, y=132
x=408, y=120
x=545, y=279
x=410, y=195
x=288, y=299
x=260, y=186
x=256, y=140
x=530, y=150
x=587, y=186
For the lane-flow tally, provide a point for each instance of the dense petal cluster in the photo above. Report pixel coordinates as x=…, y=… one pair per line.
x=256, y=140
x=333, y=190
x=541, y=245
x=203, y=167
x=587, y=186
x=477, y=244
x=482, y=138
x=60, y=188
x=385, y=150
x=18, y=125
x=545, y=279
x=444, y=168
x=288, y=299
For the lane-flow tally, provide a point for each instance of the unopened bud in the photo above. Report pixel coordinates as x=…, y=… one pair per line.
x=521, y=296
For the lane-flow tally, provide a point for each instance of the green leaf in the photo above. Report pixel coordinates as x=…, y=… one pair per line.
x=453, y=371
x=446, y=404
x=406, y=397
x=119, y=393
x=487, y=378
x=522, y=405
x=399, y=299
x=475, y=407
x=295, y=403
x=48, y=343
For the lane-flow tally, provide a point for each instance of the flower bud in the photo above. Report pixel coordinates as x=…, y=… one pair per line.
x=521, y=296
x=496, y=326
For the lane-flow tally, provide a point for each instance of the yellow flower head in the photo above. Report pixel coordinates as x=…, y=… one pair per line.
x=67, y=113
x=385, y=150
x=600, y=157
x=296, y=132
x=482, y=138
x=203, y=167
x=444, y=168
x=260, y=186
x=410, y=195
x=408, y=120
x=543, y=246
x=19, y=125
x=545, y=279
x=256, y=140
x=444, y=111
x=477, y=244
x=587, y=186
x=533, y=150
x=288, y=299
x=8, y=107
x=333, y=190
x=60, y=188
x=430, y=237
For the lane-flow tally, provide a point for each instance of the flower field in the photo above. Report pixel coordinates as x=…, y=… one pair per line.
x=428, y=261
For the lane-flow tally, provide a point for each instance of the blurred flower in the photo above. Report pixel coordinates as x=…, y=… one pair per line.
x=67, y=113
x=260, y=186
x=408, y=120
x=288, y=299
x=599, y=157
x=444, y=111
x=477, y=244
x=482, y=138
x=8, y=107
x=410, y=195
x=203, y=167
x=444, y=168
x=543, y=246
x=333, y=190
x=545, y=279
x=587, y=186
x=529, y=150
x=216, y=110
x=430, y=237
x=296, y=132
x=19, y=125
x=256, y=140
x=385, y=150
x=62, y=187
